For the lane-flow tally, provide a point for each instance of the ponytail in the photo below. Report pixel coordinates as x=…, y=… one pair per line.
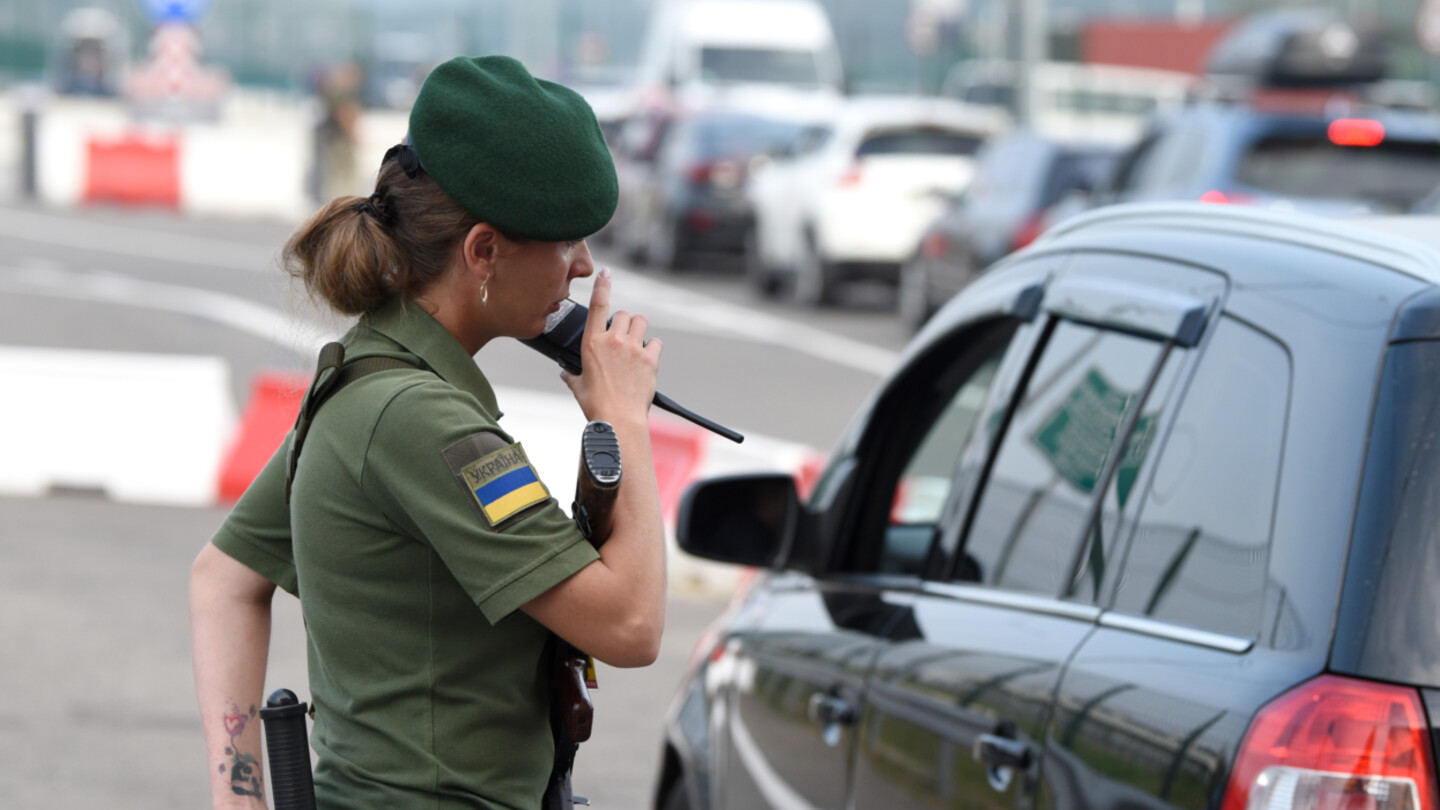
x=356, y=251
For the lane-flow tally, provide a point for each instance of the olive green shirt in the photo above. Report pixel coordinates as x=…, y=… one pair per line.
x=427, y=683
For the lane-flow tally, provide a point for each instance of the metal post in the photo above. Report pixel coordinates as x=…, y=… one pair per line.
x=1034, y=49
x=30, y=100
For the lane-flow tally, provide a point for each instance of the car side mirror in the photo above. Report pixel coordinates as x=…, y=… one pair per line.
x=743, y=519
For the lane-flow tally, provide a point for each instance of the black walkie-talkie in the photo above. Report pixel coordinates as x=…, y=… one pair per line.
x=561, y=342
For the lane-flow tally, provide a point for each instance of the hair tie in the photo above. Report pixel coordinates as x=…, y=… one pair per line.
x=374, y=206
x=407, y=157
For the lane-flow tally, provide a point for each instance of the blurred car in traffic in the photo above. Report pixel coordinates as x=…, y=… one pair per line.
x=1145, y=518
x=848, y=200
x=682, y=186
x=1073, y=100
x=1019, y=179
x=1295, y=114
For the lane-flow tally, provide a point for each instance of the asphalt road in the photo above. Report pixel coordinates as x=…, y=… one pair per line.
x=98, y=707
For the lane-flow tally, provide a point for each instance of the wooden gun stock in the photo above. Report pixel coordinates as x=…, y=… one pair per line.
x=596, y=488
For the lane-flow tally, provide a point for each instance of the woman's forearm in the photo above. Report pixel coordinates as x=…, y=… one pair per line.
x=230, y=637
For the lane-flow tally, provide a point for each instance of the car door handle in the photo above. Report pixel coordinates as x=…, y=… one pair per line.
x=830, y=710
x=1002, y=752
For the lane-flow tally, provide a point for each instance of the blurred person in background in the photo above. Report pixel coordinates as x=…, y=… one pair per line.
x=340, y=130
x=431, y=563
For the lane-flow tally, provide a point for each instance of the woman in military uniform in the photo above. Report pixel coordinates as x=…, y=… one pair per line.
x=430, y=561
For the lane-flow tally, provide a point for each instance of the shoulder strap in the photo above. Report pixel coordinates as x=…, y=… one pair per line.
x=331, y=374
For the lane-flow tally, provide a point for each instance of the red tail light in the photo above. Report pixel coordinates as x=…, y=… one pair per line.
x=698, y=173
x=934, y=245
x=1221, y=198
x=851, y=177
x=1028, y=231
x=1356, y=132
x=1336, y=743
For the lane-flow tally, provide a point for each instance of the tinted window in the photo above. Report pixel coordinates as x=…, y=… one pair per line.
x=1075, y=170
x=919, y=142
x=1199, y=554
x=758, y=65
x=997, y=95
x=1137, y=165
x=1030, y=520
x=1387, y=625
x=1009, y=169
x=1395, y=174
x=924, y=485
x=740, y=136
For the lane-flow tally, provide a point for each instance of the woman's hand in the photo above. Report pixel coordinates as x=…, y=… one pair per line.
x=620, y=365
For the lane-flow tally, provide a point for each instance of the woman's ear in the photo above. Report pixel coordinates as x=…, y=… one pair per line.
x=479, y=247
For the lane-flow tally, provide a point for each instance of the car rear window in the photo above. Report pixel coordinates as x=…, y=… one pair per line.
x=758, y=65
x=919, y=142
x=742, y=136
x=1394, y=174
x=1076, y=170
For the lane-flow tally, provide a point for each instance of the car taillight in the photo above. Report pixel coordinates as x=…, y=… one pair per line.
x=1336, y=743
x=1221, y=198
x=1028, y=231
x=851, y=177
x=935, y=245
x=698, y=173
x=1356, y=132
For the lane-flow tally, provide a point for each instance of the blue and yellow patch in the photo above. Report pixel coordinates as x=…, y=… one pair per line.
x=503, y=483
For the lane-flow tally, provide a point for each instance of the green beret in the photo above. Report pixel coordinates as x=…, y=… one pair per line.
x=520, y=153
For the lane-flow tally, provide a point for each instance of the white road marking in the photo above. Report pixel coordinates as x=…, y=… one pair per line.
x=678, y=308
x=137, y=243
x=241, y=314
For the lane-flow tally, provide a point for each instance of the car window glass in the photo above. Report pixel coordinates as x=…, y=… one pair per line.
x=1007, y=169
x=1199, y=554
x=924, y=486
x=1106, y=534
x=1075, y=170
x=1394, y=174
x=741, y=136
x=1029, y=521
x=759, y=65
x=918, y=142
x=1137, y=165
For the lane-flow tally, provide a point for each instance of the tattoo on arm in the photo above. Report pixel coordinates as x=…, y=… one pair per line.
x=244, y=768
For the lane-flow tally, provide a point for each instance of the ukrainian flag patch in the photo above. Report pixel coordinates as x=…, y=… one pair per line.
x=503, y=483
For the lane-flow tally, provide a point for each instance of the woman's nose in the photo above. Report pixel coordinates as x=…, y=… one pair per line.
x=581, y=263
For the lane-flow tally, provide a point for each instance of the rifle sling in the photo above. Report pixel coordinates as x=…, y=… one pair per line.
x=327, y=385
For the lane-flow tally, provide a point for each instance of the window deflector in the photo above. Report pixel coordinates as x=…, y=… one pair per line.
x=1123, y=307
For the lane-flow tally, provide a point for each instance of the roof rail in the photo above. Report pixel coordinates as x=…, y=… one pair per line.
x=1335, y=235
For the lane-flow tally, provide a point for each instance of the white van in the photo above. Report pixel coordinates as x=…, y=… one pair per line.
x=698, y=49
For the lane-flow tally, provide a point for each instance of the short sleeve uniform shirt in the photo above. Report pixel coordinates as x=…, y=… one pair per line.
x=416, y=529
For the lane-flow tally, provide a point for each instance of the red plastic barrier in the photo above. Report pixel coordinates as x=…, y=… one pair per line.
x=677, y=449
x=133, y=169
x=808, y=474
x=274, y=404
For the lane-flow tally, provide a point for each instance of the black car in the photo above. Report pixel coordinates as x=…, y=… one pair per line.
x=1148, y=517
x=683, y=192
x=1018, y=179
x=1294, y=114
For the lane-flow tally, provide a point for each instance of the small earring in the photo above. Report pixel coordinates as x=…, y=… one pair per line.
x=484, y=292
